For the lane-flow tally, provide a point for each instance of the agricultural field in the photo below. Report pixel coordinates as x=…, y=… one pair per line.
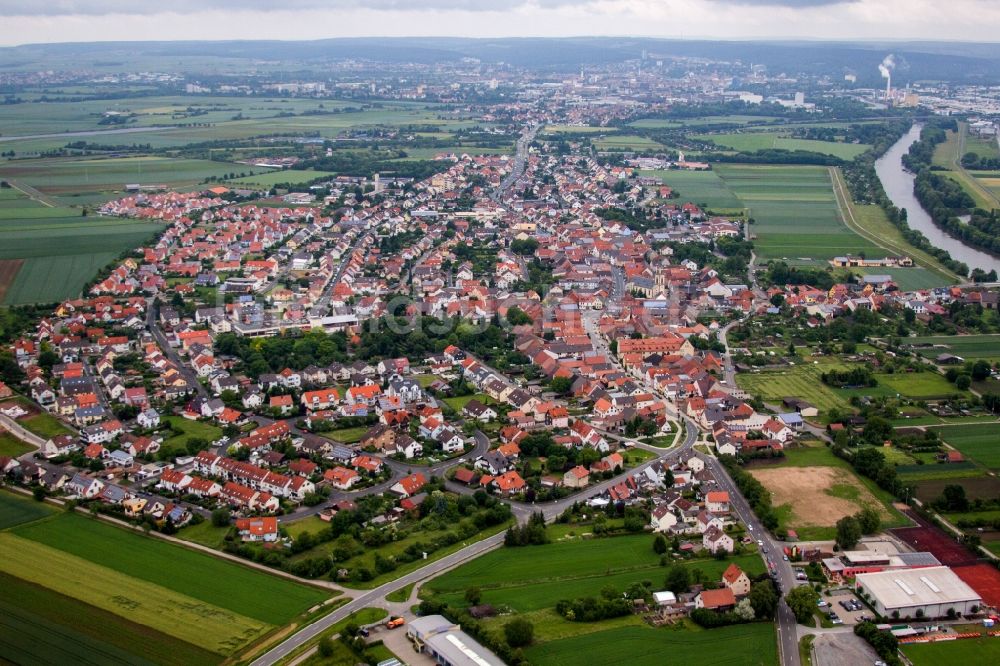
x=969, y=347
x=752, y=141
x=66, y=177
x=43, y=626
x=18, y=509
x=800, y=381
x=947, y=653
x=48, y=253
x=979, y=442
x=743, y=645
x=976, y=484
x=795, y=212
x=578, y=129
x=185, y=595
x=704, y=188
x=733, y=119
x=626, y=142
x=276, y=177
x=989, y=180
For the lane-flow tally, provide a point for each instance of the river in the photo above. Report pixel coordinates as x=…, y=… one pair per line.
x=898, y=184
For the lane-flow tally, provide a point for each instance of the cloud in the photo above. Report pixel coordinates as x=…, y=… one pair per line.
x=792, y=4
x=143, y=7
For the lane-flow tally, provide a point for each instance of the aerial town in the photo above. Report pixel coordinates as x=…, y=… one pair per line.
x=464, y=361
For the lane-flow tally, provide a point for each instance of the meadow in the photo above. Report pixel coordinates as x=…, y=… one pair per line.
x=978, y=441
x=800, y=381
x=753, y=141
x=12, y=446
x=530, y=579
x=743, y=645
x=188, y=429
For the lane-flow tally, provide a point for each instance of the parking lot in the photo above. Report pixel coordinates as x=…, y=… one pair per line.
x=847, y=606
x=842, y=649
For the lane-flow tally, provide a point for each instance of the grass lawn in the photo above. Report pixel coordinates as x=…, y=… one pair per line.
x=400, y=595
x=210, y=580
x=918, y=385
x=204, y=534
x=12, y=446
x=459, y=402
x=746, y=645
x=309, y=524
x=188, y=429
x=18, y=509
x=43, y=626
x=346, y=435
x=947, y=653
x=44, y=425
x=978, y=441
x=363, y=617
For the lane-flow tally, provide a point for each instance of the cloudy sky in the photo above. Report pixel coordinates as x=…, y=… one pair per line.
x=33, y=21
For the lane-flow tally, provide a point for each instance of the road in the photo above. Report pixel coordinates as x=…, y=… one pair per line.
x=183, y=368
x=521, y=510
x=520, y=161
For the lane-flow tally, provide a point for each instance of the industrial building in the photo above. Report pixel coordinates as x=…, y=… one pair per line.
x=447, y=644
x=932, y=591
x=851, y=563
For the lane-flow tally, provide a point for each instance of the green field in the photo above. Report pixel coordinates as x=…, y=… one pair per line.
x=12, y=446
x=969, y=347
x=743, y=645
x=948, y=653
x=979, y=442
x=753, y=141
x=795, y=212
x=704, y=188
x=801, y=381
x=189, y=429
x=211, y=581
x=60, y=247
x=529, y=579
x=17, y=509
x=626, y=142
x=41, y=626
x=919, y=385
x=578, y=129
x=272, y=178
x=44, y=425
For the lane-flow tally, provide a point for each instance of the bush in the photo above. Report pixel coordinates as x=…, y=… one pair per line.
x=519, y=632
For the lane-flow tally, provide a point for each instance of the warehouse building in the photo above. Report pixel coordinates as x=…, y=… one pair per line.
x=931, y=590
x=446, y=643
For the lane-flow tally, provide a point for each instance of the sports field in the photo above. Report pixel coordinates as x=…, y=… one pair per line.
x=741, y=645
x=192, y=597
x=752, y=141
x=977, y=441
x=947, y=653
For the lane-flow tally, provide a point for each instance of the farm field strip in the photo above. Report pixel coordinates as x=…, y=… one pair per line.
x=978, y=441
x=161, y=608
x=210, y=580
x=768, y=139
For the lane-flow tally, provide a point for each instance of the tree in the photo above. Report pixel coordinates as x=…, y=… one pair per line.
x=963, y=382
x=517, y=317
x=869, y=520
x=220, y=517
x=744, y=610
x=954, y=499
x=519, y=632
x=764, y=599
x=848, y=532
x=325, y=647
x=473, y=596
x=678, y=579
x=660, y=544
x=802, y=600
x=561, y=385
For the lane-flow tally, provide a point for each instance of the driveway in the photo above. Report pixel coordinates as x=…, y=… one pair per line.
x=842, y=649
